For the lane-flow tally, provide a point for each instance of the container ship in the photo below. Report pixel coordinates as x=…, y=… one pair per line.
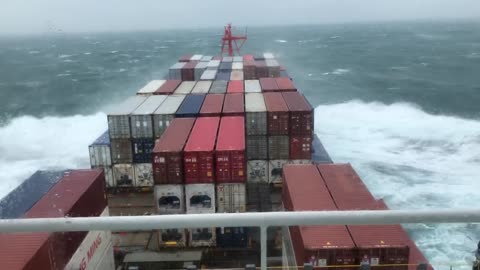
x=218, y=134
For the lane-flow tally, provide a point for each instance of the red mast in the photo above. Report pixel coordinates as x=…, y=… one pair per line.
x=228, y=40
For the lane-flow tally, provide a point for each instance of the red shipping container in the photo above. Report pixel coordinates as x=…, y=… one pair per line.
x=230, y=151
x=235, y=87
x=185, y=58
x=234, y=105
x=188, y=71
x=248, y=57
x=80, y=193
x=249, y=70
x=268, y=84
x=168, y=87
x=285, y=84
x=168, y=152
x=212, y=105
x=300, y=147
x=304, y=190
x=217, y=58
x=301, y=113
x=277, y=114
x=198, y=153
x=261, y=69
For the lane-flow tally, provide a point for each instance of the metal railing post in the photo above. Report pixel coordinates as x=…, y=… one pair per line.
x=263, y=246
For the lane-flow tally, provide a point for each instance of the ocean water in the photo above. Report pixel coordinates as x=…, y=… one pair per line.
x=400, y=101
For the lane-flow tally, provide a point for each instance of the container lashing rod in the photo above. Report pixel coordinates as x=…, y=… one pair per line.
x=228, y=40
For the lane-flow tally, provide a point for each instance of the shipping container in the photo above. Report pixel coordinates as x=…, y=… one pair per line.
x=235, y=87
x=123, y=175
x=223, y=75
x=202, y=87
x=185, y=58
x=261, y=69
x=257, y=201
x=249, y=70
x=227, y=59
x=188, y=71
x=190, y=106
x=23, y=197
x=198, y=153
x=232, y=237
x=121, y=151
x=172, y=238
x=199, y=69
x=218, y=57
x=236, y=75
x=209, y=74
x=268, y=56
x=200, y=198
x=196, y=57
x=255, y=114
x=175, y=71
x=300, y=147
x=109, y=181
x=237, y=66
x=225, y=66
x=168, y=152
x=268, y=85
x=301, y=114
x=277, y=114
x=212, y=106
x=230, y=158
x=107, y=261
x=233, y=105
x=248, y=57
x=252, y=86
x=141, y=120
x=143, y=175
x=285, y=84
x=185, y=88
x=202, y=237
x=213, y=64
x=99, y=150
x=273, y=68
x=165, y=114
x=168, y=87
x=151, y=87
x=238, y=59
x=131, y=240
x=278, y=147
x=119, y=117
x=206, y=58
x=231, y=198
x=170, y=199
x=257, y=171
x=142, y=150
x=275, y=170
x=257, y=147
x=218, y=87
x=304, y=190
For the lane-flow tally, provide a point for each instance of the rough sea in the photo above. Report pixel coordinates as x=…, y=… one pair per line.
x=400, y=101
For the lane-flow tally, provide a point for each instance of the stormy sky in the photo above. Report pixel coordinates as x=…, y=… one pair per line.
x=33, y=16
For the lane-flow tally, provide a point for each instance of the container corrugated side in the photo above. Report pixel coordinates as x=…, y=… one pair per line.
x=277, y=114
x=257, y=171
x=231, y=198
x=252, y=86
x=165, y=113
x=218, y=87
x=141, y=120
x=257, y=147
x=188, y=71
x=230, y=157
x=151, y=87
x=275, y=169
x=170, y=199
x=143, y=174
x=255, y=114
x=260, y=68
x=209, y=74
x=119, y=119
x=212, y=105
x=142, y=150
x=199, y=69
x=175, y=71
x=202, y=237
x=202, y=87
x=273, y=68
x=233, y=105
x=185, y=88
x=200, y=198
x=99, y=151
x=233, y=237
x=121, y=151
x=301, y=114
x=190, y=106
x=172, y=238
x=123, y=175
x=300, y=147
x=249, y=70
x=278, y=147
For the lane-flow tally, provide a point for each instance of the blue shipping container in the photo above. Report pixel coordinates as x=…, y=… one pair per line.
x=142, y=150
x=191, y=106
x=104, y=139
x=223, y=76
x=225, y=66
x=232, y=237
x=22, y=198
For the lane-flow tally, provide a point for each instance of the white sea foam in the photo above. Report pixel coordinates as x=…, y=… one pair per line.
x=412, y=159
x=65, y=56
x=281, y=40
x=63, y=74
x=28, y=144
x=113, y=51
x=340, y=71
x=87, y=53
x=33, y=52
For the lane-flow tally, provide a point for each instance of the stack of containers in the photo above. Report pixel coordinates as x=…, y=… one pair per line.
x=121, y=141
x=141, y=121
x=151, y=87
x=185, y=58
x=273, y=68
x=188, y=70
x=101, y=157
x=169, y=179
x=199, y=69
x=199, y=172
x=175, y=71
x=261, y=69
x=163, y=116
x=256, y=137
x=168, y=87
x=249, y=69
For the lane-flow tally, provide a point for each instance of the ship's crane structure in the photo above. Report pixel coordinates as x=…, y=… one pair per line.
x=228, y=41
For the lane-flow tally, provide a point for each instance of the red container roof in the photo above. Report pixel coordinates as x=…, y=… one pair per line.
x=296, y=102
x=260, y=63
x=203, y=135
x=217, y=58
x=268, y=84
x=212, y=105
x=175, y=136
x=285, y=84
x=190, y=65
x=235, y=87
x=275, y=102
x=233, y=104
x=17, y=249
x=326, y=237
x=168, y=87
x=231, y=134
x=248, y=62
x=185, y=58
x=248, y=57
x=375, y=236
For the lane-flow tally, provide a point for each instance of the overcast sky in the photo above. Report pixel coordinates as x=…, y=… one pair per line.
x=40, y=16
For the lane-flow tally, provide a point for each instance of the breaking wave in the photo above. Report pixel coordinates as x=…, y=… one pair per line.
x=281, y=40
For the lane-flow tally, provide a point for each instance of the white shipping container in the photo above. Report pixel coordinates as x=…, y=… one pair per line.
x=300, y=161
x=123, y=175
x=107, y=261
x=254, y=102
x=275, y=169
x=271, y=63
x=185, y=88
x=119, y=117
x=227, y=59
x=199, y=69
x=109, y=181
x=213, y=64
x=257, y=171
x=170, y=199
x=252, y=86
x=202, y=87
x=237, y=59
x=131, y=239
x=255, y=114
x=143, y=175
x=206, y=58
x=209, y=74
x=100, y=155
x=236, y=75
x=175, y=71
x=196, y=57
x=231, y=198
x=172, y=238
x=202, y=237
x=151, y=87
x=200, y=198
x=237, y=66
x=268, y=56
x=92, y=252
x=141, y=120
x=165, y=114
